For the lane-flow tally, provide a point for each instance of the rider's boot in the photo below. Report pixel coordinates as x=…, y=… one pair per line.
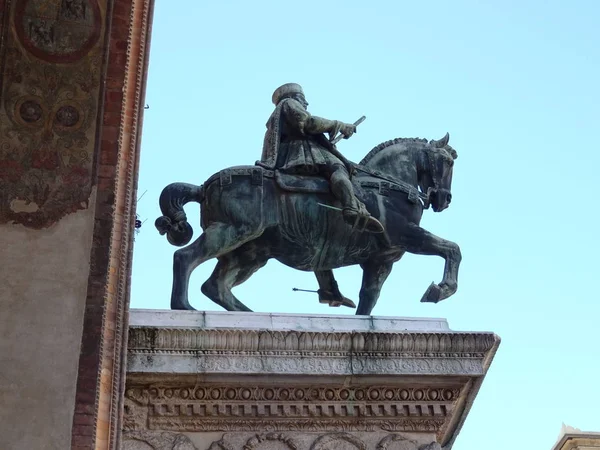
x=354, y=212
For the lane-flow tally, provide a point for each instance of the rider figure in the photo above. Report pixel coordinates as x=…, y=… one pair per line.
x=295, y=143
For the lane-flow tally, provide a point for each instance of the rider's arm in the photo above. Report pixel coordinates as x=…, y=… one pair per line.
x=319, y=125
x=303, y=121
x=308, y=124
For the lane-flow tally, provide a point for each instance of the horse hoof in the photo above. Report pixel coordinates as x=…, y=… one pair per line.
x=333, y=300
x=182, y=307
x=343, y=302
x=432, y=294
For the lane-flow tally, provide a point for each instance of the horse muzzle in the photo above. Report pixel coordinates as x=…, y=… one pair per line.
x=439, y=199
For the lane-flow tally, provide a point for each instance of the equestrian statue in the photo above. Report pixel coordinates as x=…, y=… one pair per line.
x=312, y=209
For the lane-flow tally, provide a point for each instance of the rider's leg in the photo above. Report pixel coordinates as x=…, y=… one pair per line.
x=353, y=210
x=341, y=187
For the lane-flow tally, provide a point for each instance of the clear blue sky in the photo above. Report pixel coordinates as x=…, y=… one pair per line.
x=517, y=85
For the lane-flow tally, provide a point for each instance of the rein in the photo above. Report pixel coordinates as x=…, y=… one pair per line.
x=402, y=186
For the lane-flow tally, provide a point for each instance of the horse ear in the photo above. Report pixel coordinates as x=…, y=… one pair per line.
x=442, y=142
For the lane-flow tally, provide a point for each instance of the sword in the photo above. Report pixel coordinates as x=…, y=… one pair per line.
x=340, y=136
x=335, y=208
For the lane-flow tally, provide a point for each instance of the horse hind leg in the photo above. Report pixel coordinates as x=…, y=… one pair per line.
x=233, y=269
x=217, y=239
x=374, y=275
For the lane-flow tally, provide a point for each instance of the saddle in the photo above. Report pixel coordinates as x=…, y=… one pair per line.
x=360, y=219
x=312, y=184
x=301, y=183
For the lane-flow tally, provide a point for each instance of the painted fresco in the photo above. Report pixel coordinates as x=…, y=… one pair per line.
x=52, y=60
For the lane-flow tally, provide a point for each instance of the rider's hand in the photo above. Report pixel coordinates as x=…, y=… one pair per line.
x=347, y=130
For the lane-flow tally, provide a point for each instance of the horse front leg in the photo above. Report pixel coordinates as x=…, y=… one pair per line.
x=374, y=275
x=422, y=242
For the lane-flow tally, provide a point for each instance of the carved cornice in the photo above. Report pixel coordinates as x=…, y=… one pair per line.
x=296, y=407
x=304, y=352
x=159, y=339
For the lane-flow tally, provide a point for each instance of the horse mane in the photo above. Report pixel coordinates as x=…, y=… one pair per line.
x=387, y=144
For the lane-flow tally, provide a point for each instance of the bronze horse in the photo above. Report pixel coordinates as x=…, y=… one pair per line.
x=250, y=214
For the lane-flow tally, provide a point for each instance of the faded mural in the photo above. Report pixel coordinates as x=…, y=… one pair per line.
x=52, y=57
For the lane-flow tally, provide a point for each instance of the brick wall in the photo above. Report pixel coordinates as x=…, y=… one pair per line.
x=98, y=407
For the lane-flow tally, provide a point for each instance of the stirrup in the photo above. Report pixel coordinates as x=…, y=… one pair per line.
x=362, y=222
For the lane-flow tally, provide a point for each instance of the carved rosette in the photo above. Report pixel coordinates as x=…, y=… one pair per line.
x=51, y=78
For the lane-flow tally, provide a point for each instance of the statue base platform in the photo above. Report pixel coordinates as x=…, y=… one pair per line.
x=251, y=381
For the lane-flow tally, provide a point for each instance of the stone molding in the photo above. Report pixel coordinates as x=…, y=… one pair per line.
x=574, y=439
x=156, y=339
x=284, y=321
x=304, y=352
x=121, y=251
x=308, y=407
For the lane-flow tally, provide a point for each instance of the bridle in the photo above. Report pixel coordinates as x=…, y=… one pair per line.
x=436, y=182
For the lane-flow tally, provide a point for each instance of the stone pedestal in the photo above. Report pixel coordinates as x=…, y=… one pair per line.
x=574, y=439
x=239, y=381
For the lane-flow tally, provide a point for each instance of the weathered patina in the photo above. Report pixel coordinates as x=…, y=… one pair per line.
x=301, y=206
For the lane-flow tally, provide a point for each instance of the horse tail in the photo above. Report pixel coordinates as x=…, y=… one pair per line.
x=174, y=222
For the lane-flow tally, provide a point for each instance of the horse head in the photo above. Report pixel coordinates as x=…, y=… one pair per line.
x=436, y=175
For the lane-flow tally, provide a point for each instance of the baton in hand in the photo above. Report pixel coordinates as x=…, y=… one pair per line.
x=339, y=137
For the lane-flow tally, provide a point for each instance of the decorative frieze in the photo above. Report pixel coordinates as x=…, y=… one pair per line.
x=277, y=441
x=214, y=407
x=215, y=341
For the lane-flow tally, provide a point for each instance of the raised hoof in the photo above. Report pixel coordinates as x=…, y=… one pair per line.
x=334, y=300
x=342, y=302
x=432, y=294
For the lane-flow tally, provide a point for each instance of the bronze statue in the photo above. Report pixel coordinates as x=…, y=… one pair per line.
x=294, y=143
x=310, y=208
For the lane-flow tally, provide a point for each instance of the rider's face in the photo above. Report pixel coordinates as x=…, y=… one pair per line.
x=301, y=99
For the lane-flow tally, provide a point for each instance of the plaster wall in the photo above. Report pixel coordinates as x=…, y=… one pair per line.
x=43, y=285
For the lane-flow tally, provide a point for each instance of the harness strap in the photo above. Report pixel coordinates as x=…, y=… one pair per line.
x=384, y=186
x=391, y=184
